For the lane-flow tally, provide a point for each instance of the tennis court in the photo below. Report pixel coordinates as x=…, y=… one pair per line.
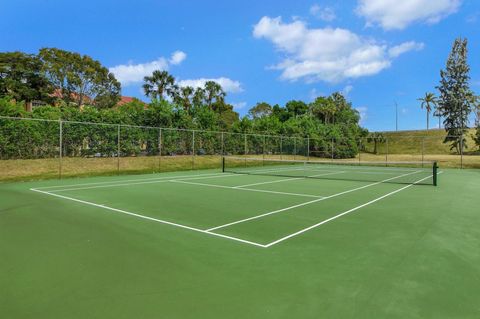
x=257, y=238
x=251, y=201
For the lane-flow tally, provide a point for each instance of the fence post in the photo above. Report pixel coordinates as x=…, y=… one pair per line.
x=193, y=149
x=281, y=146
x=360, y=152
x=60, y=140
x=294, y=147
x=333, y=141
x=386, y=153
x=159, y=149
x=308, y=148
x=245, y=144
x=263, y=147
x=461, y=150
x=118, y=148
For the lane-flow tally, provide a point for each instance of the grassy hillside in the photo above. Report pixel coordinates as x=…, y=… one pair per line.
x=423, y=145
x=408, y=142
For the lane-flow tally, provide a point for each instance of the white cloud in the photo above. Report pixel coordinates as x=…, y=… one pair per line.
x=177, y=57
x=363, y=113
x=326, y=54
x=239, y=105
x=395, y=14
x=133, y=73
x=228, y=85
x=323, y=13
x=398, y=50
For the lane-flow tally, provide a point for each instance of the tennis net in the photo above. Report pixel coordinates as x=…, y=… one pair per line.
x=386, y=172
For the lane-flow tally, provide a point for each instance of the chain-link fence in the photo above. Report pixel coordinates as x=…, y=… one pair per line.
x=37, y=148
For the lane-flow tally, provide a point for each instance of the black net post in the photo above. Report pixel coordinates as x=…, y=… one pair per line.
x=222, y=152
x=435, y=173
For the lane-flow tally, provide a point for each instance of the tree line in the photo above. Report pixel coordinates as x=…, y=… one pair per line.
x=76, y=87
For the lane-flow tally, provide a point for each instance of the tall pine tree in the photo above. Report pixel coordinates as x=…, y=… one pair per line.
x=456, y=100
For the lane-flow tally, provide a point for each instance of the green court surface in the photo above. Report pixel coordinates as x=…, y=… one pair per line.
x=212, y=244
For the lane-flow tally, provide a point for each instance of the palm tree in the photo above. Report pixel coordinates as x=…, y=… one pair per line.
x=428, y=101
x=184, y=97
x=213, y=91
x=159, y=84
x=376, y=138
x=324, y=109
x=198, y=97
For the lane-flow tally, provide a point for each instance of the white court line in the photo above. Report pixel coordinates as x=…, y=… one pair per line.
x=289, y=179
x=221, y=175
x=344, y=213
x=270, y=182
x=150, y=218
x=130, y=180
x=245, y=189
x=307, y=203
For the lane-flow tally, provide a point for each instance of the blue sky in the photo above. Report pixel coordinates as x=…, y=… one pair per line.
x=375, y=51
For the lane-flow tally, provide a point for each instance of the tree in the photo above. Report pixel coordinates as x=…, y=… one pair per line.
x=159, y=84
x=280, y=112
x=260, y=110
x=80, y=78
x=376, y=138
x=108, y=93
x=213, y=92
x=456, y=99
x=184, y=97
x=428, y=101
x=323, y=108
x=476, y=136
x=198, y=97
x=22, y=79
x=296, y=108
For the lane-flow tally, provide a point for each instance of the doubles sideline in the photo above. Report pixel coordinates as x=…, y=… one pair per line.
x=310, y=202
x=344, y=213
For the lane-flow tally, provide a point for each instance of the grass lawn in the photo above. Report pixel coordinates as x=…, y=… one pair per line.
x=205, y=244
